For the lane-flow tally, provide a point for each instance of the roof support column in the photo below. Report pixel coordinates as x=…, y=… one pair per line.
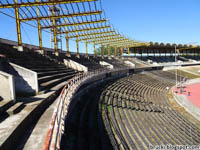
x=122, y=51
x=115, y=52
x=54, y=31
x=20, y=48
x=67, y=46
x=108, y=47
x=39, y=28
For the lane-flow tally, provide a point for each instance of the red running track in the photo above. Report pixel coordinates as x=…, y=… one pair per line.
x=194, y=90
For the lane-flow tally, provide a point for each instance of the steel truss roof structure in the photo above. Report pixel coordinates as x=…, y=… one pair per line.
x=79, y=19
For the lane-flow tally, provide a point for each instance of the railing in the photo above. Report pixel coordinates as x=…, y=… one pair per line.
x=55, y=131
x=56, y=128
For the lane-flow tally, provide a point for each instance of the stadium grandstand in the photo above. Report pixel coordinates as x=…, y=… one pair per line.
x=124, y=94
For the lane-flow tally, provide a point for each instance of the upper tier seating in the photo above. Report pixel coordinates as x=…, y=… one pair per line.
x=91, y=64
x=117, y=63
x=51, y=74
x=162, y=59
x=197, y=58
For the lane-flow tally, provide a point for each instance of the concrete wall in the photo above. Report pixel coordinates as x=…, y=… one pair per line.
x=7, y=86
x=129, y=63
x=26, y=81
x=103, y=63
x=74, y=65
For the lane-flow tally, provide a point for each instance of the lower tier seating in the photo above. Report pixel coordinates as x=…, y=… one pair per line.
x=140, y=114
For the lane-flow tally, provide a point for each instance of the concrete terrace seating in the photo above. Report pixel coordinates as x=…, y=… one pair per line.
x=161, y=59
x=197, y=58
x=117, y=63
x=138, y=63
x=84, y=126
x=140, y=114
x=91, y=64
x=24, y=115
x=50, y=73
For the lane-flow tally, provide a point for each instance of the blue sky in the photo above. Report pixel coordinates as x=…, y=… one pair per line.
x=173, y=21
x=167, y=21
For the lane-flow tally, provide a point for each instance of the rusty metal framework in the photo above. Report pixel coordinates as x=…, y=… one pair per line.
x=82, y=20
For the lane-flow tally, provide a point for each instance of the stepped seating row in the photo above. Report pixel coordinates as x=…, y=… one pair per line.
x=197, y=58
x=52, y=76
x=84, y=128
x=161, y=59
x=138, y=63
x=50, y=73
x=90, y=63
x=147, y=120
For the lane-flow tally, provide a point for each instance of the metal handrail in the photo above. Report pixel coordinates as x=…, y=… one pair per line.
x=55, y=131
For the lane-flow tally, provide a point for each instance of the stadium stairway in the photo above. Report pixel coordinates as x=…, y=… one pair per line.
x=16, y=118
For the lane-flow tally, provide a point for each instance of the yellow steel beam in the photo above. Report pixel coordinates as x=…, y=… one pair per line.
x=115, y=52
x=105, y=42
x=125, y=45
x=18, y=25
x=39, y=29
x=128, y=52
x=42, y=3
x=99, y=37
x=62, y=16
x=122, y=51
x=76, y=24
x=99, y=41
x=54, y=32
x=67, y=46
x=86, y=29
x=88, y=34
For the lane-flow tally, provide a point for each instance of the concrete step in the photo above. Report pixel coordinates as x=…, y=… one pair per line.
x=48, y=66
x=44, y=87
x=48, y=69
x=15, y=108
x=51, y=77
x=41, y=74
x=39, y=132
x=13, y=130
x=4, y=105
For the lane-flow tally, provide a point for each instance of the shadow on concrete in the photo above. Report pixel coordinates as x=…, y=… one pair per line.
x=35, y=116
x=84, y=125
x=28, y=100
x=1, y=98
x=3, y=116
x=22, y=88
